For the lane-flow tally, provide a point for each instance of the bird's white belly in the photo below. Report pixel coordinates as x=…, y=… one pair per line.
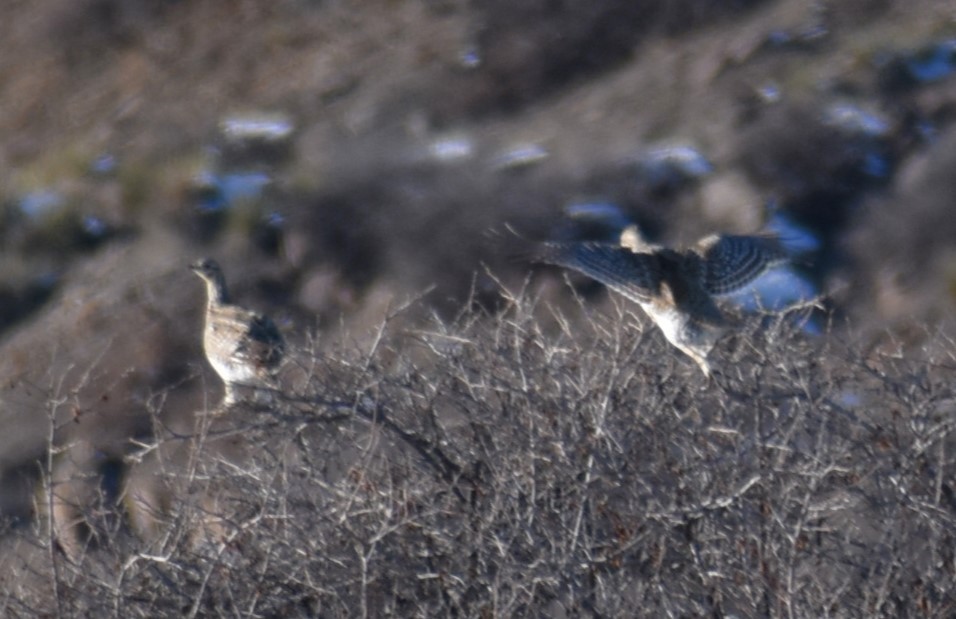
x=233, y=372
x=670, y=321
x=230, y=368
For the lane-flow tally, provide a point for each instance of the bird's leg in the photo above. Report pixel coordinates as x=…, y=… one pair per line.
x=264, y=395
x=230, y=397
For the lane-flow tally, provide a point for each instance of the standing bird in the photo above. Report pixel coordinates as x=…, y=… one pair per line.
x=676, y=288
x=244, y=347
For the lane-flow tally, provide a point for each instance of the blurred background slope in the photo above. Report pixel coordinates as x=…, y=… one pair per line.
x=336, y=155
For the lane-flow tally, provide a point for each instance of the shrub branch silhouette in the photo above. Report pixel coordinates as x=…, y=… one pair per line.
x=543, y=460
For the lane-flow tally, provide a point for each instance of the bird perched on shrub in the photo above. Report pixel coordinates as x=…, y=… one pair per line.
x=244, y=347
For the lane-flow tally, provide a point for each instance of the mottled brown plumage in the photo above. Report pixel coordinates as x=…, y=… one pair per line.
x=244, y=347
x=675, y=287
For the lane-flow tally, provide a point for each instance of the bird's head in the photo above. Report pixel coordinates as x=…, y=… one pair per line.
x=209, y=270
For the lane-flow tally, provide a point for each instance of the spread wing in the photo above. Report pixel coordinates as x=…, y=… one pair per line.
x=730, y=262
x=636, y=276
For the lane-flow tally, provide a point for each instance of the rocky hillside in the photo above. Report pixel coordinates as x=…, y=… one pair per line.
x=344, y=159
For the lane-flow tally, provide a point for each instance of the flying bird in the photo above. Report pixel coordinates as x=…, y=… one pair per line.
x=676, y=288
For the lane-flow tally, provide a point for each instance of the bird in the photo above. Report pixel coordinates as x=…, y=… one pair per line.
x=676, y=288
x=244, y=347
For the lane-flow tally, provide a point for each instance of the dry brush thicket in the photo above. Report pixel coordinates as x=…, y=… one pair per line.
x=541, y=462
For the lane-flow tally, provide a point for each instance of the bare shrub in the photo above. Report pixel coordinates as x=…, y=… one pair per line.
x=540, y=462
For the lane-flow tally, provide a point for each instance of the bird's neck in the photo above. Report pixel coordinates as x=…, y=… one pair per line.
x=216, y=289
